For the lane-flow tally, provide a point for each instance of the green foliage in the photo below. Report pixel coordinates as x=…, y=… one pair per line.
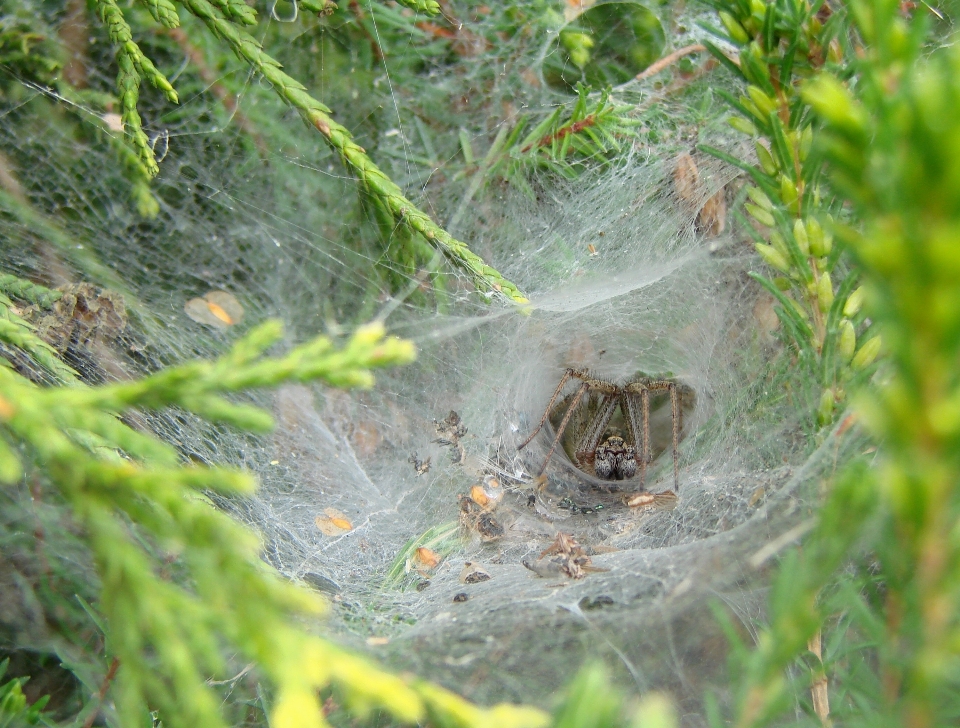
x=133, y=66
x=591, y=701
x=19, y=334
x=164, y=12
x=564, y=144
x=781, y=44
x=879, y=574
x=25, y=49
x=431, y=7
x=168, y=636
x=28, y=291
x=592, y=131
x=226, y=19
x=14, y=710
x=605, y=45
x=442, y=539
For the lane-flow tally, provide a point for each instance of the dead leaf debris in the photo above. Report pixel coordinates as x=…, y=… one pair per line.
x=563, y=557
x=450, y=432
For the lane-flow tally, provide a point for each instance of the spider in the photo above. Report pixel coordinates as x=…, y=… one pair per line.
x=595, y=448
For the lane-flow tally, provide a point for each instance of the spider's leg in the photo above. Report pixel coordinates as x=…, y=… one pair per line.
x=563, y=423
x=563, y=380
x=639, y=424
x=591, y=438
x=646, y=456
x=677, y=424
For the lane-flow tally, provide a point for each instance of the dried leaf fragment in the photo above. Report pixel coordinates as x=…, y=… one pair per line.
x=646, y=501
x=333, y=522
x=425, y=558
x=217, y=308
x=475, y=518
x=473, y=573
x=113, y=121
x=639, y=500
x=421, y=467
x=563, y=557
x=450, y=431
x=712, y=215
x=712, y=218
x=478, y=496
x=686, y=178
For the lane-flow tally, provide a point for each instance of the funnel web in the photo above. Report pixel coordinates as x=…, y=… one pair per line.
x=622, y=280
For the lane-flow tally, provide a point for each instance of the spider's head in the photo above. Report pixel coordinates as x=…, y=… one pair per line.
x=615, y=459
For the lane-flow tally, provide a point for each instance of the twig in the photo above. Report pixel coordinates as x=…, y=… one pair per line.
x=668, y=60
x=102, y=693
x=232, y=680
x=574, y=128
x=677, y=85
x=818, y=689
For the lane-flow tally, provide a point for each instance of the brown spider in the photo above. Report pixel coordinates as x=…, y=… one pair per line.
x=593, y=404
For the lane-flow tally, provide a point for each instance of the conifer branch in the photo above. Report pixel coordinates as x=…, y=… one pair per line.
x=430, y=7
x=17, y=333
x=353, y=155
x=164, y=12
x=237, y=10
x=133, y=66
x=320, y=7
x=167, y=638
x=28, y=291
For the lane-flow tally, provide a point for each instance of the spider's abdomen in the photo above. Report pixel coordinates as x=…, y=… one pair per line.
x=615, y=460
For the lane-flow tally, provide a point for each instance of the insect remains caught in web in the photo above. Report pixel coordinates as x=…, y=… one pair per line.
x=606, y=427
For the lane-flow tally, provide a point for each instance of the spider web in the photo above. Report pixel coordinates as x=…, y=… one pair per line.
x=621, y=281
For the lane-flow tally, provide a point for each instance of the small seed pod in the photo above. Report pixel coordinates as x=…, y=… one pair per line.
x=777, y=241
x=760, y=215
x=763, y=102
x=798, y=307
x=773, y=257
x=847, y=341
x=753, y=63
x=757, y=195
x=766, y=160
x=825, y=410
x=788, y=193
x=737, y=32
x=868, y=352
x=752, y=108
x=742, y=125
x=825, y=292
x=800, y=235
x=820, y=244
x=835, y=103
x=852, y=307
